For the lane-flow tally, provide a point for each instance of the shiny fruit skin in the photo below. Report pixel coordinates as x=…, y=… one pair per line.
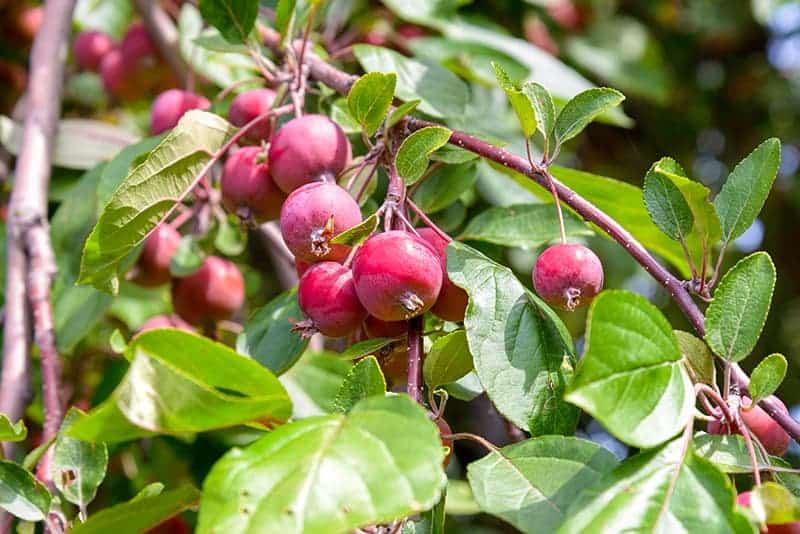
x=452, y=302
x=568, y=276
x=307, y=149
x=769, y=433
x=152, y=267
x=374, y=327
x=246, y=184
x=90, y=47
x=301, y=266
x=327, y=296
x=743, y=499
x=306, y=218
x=170, y=106
x=136, y=43
x=212, y=293
x=249, y=105
x=398, y=275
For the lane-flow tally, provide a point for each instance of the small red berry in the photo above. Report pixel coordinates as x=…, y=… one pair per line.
x=306, y=149
x=398, y=275
x=90, y=47
x=452, y=301
x=112, y=72
x=568, y=276
x=247, y=187
x=137, y=44
x=327, y=296
x=314, y=214
x=212, y=293
x=152, y=268
x=170, y=106
x=769, y=433
x=249, y=105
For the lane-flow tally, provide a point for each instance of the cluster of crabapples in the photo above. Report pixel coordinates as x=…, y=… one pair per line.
x=130, y=69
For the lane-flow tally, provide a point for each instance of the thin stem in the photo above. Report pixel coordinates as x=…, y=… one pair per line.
x=235, y=85
x=748, y=441
x=688, y=257
x=304, y=44
x=415, y=357
x=472, y=437
x=717, y=267
x=553, y=191
x=726, y=380
x=703, y=266
x=424, y=218
x=366, y=183
x=686, y=438
x=718, y=400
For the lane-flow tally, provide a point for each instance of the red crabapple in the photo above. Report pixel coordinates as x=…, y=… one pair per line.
x=113, y=73
x=568, y=276
x=743, y=499
x=398, y=275
x=137, y=44
x=314, y=214
x=301, y=266
x=249, y=105
x=165, y=321
x=374, y=327
x=247, y=187
x=170, y=106
x=90, y=47
x=769, y=433
x=327, y=296
x=152, y=268
x=307, y=149
x=212, y=293
x=452, y=301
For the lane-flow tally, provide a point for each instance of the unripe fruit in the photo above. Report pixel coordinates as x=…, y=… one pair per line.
x=374, y=327
x=769, y=433
x=249, y=105
x=306, y=149
x=165, y=321
x=212, y=293
x=452, y=301
x=445, y=430
x=314, y=214
x=398, y=275
x=136, y=43
x=568, y=276
x=90, y=47
x=743, y=499
x=152, y=268
x=327, y=296
x=170, y=106
x=247, y=187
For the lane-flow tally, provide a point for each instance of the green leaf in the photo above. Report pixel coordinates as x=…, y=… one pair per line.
x=767, y=377
x=639, y=496
x=111, y=16
x=666, y=205
x=726, y=451
x=283, y=14
x=774, y=504
x=432, y=521
x=543, y=107
x=80, y=144
x=736, y=316
x=414, y=151
x=115, y=171
x=582, y=109
x=366, y=347
x=706, y=226
x=698, y=357
x=151, y=490
x=229, y=238
x=21, y=494
x=313, y=383
x=520, y=103
x=78, y=467
x=358, y=233
x=233, y=18
x=329, y=474
x=522, y=352
x=532, y=483
x=180, y=382
x=746, y=189
x=522, y=225
x=12, y=431
x=370, y=98
x=448, y=360
x=460, y=499
x=139, y=514
x=401, y=111
x=441, y=93
x=188, y=257
x=630, y=377
x=365, y=379
x=148, y=194
x=444, y=185
x=268, y=336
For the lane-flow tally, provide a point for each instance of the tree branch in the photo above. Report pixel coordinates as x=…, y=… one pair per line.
x=163, y=31
x=341, y=82
x=29, y=250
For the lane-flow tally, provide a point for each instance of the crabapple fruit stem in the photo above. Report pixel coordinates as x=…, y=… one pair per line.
x=415, y=356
